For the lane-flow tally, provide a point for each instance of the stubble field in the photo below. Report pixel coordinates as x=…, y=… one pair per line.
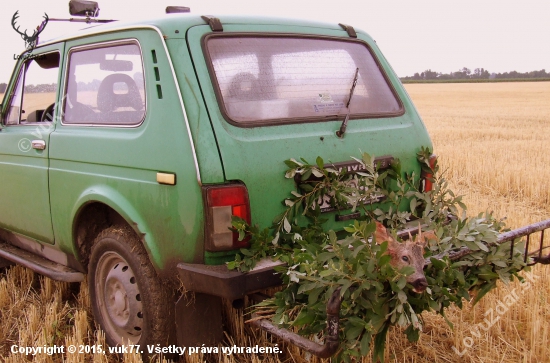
x=492, y=140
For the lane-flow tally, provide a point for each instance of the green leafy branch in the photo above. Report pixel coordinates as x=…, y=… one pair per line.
x=375, y=295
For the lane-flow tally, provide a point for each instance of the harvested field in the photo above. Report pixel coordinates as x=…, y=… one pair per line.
x=493, y=141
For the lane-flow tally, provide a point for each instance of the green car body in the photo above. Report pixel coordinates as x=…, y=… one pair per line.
x=55, y=200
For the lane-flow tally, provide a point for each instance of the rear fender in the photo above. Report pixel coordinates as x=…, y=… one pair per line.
x=116, y=201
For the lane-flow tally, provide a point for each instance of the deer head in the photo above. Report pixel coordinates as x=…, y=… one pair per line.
x=30, y=40
x=407, y=253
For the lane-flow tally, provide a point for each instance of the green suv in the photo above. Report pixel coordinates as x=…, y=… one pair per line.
x=127, y=147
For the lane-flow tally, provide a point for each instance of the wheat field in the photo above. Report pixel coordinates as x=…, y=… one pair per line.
x=492, y=142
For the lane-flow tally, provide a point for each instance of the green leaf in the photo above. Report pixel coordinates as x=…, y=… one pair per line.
x=384, y=260
x=353, y=332
x=482, y=245
x=402, y=296
x=369, y=229
x=305, y=317
x=291, y=163
x=306, y=175
x=317, y=173
x=402, y=281
x=325, y=256
x=320, y=163
x=246, y=252
x=439, y=264
x=413, y=204
x=313, y=296
x=380, y=343
x=483, y=291
x=275, y=239
x=306, y=287
x=286, y=225
x=412, y=333
x=407, y=270
x=365, y=343
x=460, y=263
x=499, y=263
x=345, y=286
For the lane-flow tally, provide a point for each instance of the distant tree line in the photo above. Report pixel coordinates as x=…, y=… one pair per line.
x=44, y=88
x=478, y=73
x=41, y=88
x=31, y=88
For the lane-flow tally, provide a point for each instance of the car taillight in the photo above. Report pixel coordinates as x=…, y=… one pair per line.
x=426, y=177
x=223, y=202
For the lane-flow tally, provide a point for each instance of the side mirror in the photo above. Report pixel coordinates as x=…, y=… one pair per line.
x=84, y=8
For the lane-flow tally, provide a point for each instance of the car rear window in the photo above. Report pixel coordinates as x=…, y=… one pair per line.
x=280, y=79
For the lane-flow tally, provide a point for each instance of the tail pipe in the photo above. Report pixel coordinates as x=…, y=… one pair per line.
x=332, y=342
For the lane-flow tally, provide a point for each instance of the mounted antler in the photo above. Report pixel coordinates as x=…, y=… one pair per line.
x=13, y=20
x=33, y=39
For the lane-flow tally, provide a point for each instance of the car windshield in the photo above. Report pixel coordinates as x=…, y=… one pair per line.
x=280, y=79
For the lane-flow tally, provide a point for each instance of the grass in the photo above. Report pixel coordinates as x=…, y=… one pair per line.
x=475, y=80
x=493, y=141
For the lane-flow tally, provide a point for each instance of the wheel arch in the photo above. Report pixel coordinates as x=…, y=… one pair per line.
x=99, y=208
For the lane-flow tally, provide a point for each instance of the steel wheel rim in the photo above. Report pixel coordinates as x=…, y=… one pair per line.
x=118, y=298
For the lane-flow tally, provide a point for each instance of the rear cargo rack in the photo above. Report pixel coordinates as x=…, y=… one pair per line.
x=525, y=231
x=528, y=231
x=332, y=343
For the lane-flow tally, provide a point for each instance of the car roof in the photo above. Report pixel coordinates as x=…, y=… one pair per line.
x=169, y=23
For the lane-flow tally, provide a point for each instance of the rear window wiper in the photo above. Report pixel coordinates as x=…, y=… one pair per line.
x=340, y=133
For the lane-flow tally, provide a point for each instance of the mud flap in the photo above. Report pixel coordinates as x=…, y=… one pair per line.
x=199, y=320
x=5, y=263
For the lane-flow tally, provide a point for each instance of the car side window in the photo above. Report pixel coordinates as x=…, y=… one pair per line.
x=105, y=86
x=33, y=99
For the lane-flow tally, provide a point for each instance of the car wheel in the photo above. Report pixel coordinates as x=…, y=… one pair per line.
x=129, y=301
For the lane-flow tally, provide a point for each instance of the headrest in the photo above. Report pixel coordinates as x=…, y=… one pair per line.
x=108, y=100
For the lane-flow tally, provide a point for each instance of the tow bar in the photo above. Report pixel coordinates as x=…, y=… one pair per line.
x=332, y=343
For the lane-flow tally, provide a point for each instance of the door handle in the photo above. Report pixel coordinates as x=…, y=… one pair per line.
x=38, y=144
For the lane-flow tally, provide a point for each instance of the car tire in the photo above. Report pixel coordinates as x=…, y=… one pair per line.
x=129, y=301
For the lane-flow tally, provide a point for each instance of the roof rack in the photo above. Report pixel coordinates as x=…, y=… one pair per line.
x=84, y=8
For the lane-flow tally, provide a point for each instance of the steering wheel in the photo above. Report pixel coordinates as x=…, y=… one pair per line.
x=47, y=115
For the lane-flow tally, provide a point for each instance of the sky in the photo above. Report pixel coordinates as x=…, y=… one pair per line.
x=444, y=36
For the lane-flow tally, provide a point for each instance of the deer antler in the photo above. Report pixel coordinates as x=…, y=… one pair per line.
x=33, y=39
x=39, y=28
x=13, y=20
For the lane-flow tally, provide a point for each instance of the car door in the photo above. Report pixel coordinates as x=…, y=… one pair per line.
x=27, y=119
x=274, y=96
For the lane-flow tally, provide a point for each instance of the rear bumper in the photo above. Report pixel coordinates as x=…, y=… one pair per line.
x=229, y=284
x=219, y=281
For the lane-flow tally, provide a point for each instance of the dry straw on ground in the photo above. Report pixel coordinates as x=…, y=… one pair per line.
x=493, y=141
